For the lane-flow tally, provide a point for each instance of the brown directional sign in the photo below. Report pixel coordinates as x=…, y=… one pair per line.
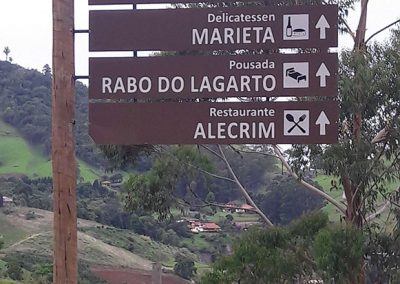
x=214, y=123
x=256, y=27
x=213, y=76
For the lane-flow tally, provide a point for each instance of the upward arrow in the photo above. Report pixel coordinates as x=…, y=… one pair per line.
x=322, y=121
x=322, y=25
x=322, y=73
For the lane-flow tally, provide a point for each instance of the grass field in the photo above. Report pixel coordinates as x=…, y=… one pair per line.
x=237, y=217
x=198, y=242
x=7, y=281
x=34, y=237
x=325, y=182
x=18, y=157
x=9, y=232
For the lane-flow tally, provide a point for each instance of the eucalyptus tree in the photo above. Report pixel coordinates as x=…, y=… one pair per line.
x=6, y=51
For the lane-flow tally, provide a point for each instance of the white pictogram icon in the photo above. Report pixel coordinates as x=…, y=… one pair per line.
x=295, y=75
x=322, y=121
x=296, y=123
x=322, y=25
x=322, y=73
x=295, y=27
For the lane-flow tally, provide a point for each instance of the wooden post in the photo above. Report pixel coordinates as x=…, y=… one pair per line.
x=65, y=267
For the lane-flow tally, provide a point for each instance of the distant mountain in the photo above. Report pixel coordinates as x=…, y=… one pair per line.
x=25, y=103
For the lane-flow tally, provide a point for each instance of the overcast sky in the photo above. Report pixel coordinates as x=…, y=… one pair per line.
x=26, y=27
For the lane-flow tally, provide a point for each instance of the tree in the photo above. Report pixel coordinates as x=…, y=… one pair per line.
x=43, y=273
x=46, y=70
x=6, y=51
x=184, y=266
x=366, y=158
x=14, y=270
x=308, y=247
x=338, y=250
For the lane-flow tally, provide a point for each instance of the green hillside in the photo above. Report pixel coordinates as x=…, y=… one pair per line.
x=25, y=105
x=18, y=157
x=29, y=242
x=325, y=182
x=98, y=244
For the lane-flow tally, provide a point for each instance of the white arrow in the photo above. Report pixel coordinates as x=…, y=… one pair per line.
x=322, y=25
x=322, y=121
x=322, y=73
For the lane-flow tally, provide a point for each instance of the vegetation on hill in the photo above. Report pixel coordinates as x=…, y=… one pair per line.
x=25, y=103
x=19, y=157
x=99, y=245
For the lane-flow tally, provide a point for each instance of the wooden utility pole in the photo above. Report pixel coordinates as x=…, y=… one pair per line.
x=65, y=267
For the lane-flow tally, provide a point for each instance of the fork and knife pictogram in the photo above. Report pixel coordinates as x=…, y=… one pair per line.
x=290, y=118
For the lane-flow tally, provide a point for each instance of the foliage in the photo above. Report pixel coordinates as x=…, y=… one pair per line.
x=270, y=256
x=383, y=251
x=305, y=249
x=43, y=273
x=41, y=267
x=286, y=200
x=154, y=191
x=184, y=266
x=27, y=192
x=229, y=217
x=338, y=251
x=46, y=70
x=137, y=244
x=366, y=161
x=286, y=253
x=124, y=156
x=98, y=203
x=370, y=103
x=14, y=270
x=30, y=215
x=6, y=51
x=25, y=103
x=179, y=178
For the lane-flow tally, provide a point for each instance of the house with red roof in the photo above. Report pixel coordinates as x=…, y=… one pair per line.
x=211, y=227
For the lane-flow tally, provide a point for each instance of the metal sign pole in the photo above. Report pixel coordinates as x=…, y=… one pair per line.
x=65, y=267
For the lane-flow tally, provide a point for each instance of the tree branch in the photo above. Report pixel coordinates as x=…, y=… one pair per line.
x=200, y=169
x=255, y=152
x=368, y=172
x=350, y=32
x=395, y=161
x=379, y=211
x=381, y=30
x=243, y=190
x=306, y=184
x=212, y=151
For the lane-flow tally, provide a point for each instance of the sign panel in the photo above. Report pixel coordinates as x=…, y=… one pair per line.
x=158, y=77
x=253, y=27
x=214, y=123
